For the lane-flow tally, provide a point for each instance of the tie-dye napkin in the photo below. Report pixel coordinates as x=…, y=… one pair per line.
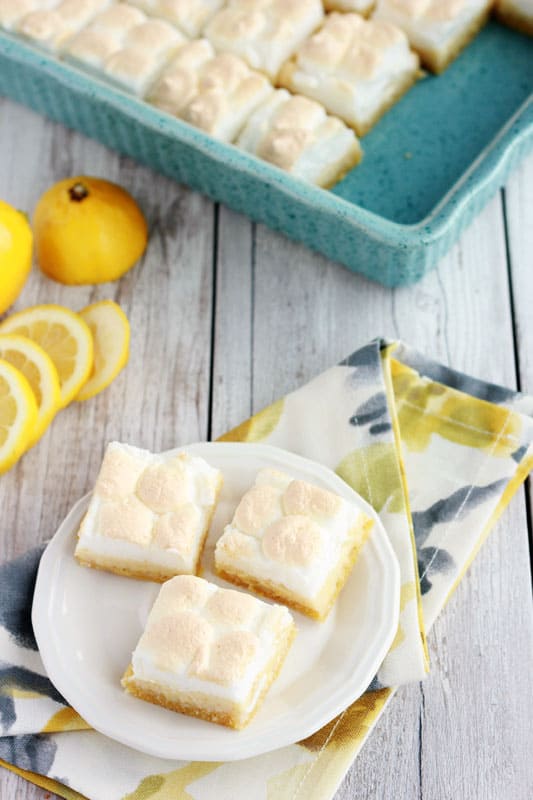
x=438, y=455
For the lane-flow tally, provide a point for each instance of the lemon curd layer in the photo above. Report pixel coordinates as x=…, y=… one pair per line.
x=149, y=514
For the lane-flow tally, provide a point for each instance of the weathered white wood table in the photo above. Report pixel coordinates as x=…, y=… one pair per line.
x=227, y=316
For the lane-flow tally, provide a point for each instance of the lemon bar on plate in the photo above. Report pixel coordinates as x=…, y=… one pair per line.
x=149, y=514
x=437, y=29
x=216, y=93
x=189, y=15
x=50, y=24
x=264, y=32
x=356, y=68
x=297, y=135
x=209, y=652
x=293, y=542
x=126, y=46
x=517, y=14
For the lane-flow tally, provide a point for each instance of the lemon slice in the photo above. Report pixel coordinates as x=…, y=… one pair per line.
x=38, y=369
x=18, y=414
x=64, y=336
x=111, y=332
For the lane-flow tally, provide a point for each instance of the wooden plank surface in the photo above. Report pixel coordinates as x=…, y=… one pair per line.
x=227, y=316
x=307, y=315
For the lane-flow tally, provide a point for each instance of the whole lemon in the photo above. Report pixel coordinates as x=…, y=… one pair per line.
x=15, y=253
x=88, y=230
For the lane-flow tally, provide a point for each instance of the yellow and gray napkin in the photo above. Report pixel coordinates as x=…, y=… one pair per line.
x=438, y=454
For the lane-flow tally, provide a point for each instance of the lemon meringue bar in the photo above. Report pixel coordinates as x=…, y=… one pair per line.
x=189, y=15
x=216, y=93
x=264, y=32
x=517, y=14
x=127, y=46
x=149, y=514
x=293, y=542
x=356, y=68
x=359, y=6
x=437, y=29
x=52, y=23
x=297, y=135
x=13, y=11
x=209, y=652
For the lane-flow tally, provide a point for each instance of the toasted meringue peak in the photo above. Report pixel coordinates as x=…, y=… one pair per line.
x=163, y=488
x=177, y=530
x=293, y=540
x=126, y=519
x=303, y=498
x=259, y=506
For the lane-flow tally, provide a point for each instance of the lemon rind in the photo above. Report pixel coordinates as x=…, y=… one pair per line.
x=71, y=387
x=93, y=387
x=50, y=386
x=21, y=390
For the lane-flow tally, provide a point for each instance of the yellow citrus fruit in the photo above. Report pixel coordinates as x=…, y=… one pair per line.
x=18, y=414
x=88, y=230
x=15, y=253
x=111, y=333
x=38, y=369
x=64, y=336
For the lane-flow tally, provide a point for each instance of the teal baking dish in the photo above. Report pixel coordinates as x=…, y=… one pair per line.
x=430, y=164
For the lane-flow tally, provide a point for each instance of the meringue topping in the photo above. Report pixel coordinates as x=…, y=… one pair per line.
x=264, y=32
x=199, y=637
x=353, y=66
x=216, y=93
x=189, y=15
x=287, y=532
x=295, y=134
x=150, y=510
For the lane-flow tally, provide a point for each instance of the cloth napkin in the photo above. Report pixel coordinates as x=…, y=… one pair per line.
x=438, y=455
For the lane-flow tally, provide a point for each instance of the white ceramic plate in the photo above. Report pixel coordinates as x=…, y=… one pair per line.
x=87, y=623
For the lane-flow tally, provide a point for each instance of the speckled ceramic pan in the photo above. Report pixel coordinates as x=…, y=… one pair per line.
x=430, y=164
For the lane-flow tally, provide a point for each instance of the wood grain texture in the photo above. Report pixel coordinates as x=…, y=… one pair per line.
x=232, y=355
x=161, y=398
x=226, y=317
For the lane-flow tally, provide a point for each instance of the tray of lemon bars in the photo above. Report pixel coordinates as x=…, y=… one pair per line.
x=371, y=130
x=246, y=596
